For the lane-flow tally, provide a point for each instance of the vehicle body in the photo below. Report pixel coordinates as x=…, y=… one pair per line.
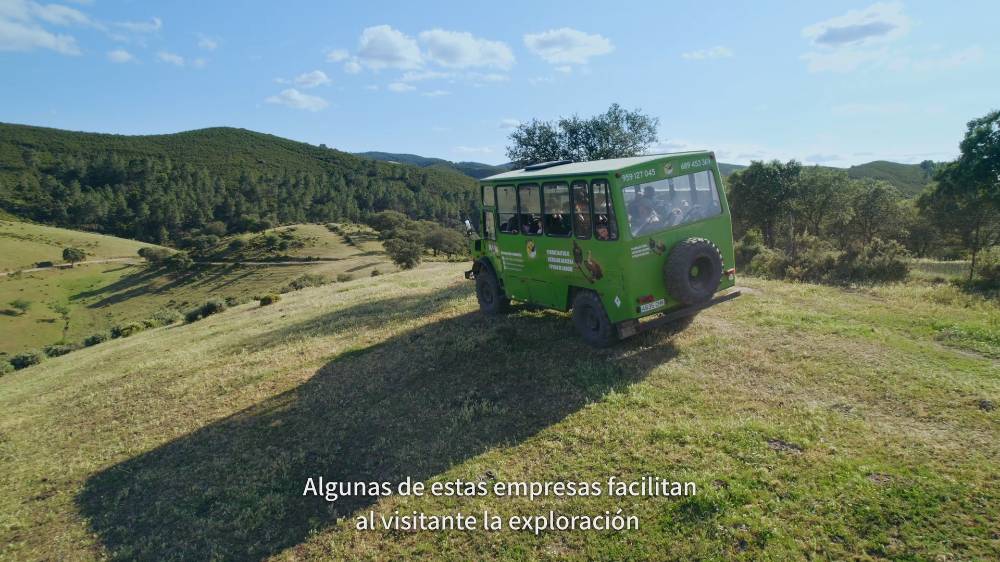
x=609, y=238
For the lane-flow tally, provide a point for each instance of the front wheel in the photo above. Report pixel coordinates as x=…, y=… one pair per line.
x=488, y=293
x=591, y=320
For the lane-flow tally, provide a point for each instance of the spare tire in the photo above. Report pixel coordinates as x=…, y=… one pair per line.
x=693, y=271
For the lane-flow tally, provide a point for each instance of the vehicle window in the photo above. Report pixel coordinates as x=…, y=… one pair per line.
x=507, y=209
x=491, y=225
x=530, y=208
x=557, y=209
x=605, y=227
x=489, y=198
x=581, y=210
x=661, y=204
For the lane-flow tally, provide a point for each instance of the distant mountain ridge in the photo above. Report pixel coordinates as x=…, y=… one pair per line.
x=910, y=179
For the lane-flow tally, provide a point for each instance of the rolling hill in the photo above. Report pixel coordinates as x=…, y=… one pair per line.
x=816, y=422
x=476, y=170
x=23, y=245
x=910, y=179
x=163, y=188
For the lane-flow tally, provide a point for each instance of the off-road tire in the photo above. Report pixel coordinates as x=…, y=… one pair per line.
x=591, y=320
x=693, y=271
x=491, y=297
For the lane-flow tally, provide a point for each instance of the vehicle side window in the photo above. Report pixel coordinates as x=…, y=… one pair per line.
x=490, y=225
x=605, y=227
x=507, y=209
x=489, y=199
x=581, y=210
x=557, y=209
x=530, y=208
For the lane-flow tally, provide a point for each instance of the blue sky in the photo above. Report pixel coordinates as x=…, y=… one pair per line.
x=835, y=83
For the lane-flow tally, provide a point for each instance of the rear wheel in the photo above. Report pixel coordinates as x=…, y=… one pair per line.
x=591, y=320
x=491, y=298
x=693, y=271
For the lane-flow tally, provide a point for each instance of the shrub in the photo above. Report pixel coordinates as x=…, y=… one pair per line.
x=747, y=247
x=154, y=255
x=22, y=305
x=237, y=244
x=179, y=261
x=95, y=339
x=208, y=308
x=269, y=299
x=5, y=367
x=73, y=255
x=55, y=350
x=307, y=280
x=163, y=317
x=344, y=277
x=127, y=329
x=235, y=301
x=376, y=272
x=26, y=359
x=44, y=264
x=879, y=261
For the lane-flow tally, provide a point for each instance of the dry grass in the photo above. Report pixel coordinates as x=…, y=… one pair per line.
x=816, y=422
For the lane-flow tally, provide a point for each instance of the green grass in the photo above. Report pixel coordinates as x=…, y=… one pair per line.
x=22, y=244
x=99, y=296
x=817, y=422
x=936, y=270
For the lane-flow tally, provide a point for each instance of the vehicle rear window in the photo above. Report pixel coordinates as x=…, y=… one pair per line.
x=662, y=204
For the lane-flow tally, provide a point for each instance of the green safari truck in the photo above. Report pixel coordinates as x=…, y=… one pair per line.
x=627, y=244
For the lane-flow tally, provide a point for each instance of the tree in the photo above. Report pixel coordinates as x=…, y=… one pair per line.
x=387, y=221
x=154, y=255
x=614, y=134
x=73, y=255
x=876, y=212
x=821, y=199
x=965, y=197
x=179, y=261
x=404, y=252
x=761, y=196
x=445, y=240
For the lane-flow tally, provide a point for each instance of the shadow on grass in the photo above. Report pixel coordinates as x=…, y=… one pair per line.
x=413, y=405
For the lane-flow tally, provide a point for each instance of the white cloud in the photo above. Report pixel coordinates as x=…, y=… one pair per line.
x=372, y=87
x=491, y=77
x=352, y=67
x=120, y=56
x=21, y=29
x=717, y=52
x=384, y=47
x=461, y=49
x=567, y=46
x=565, y=69
x=337, y=55
x=296, y=99
x=207, y=43
x=418, y=75
x=877, y=23
x=170, y=58
x=857, y=39
x=436, y=93
x=400, y=87
x=311, y=79
x=510, y=123
x=151, y=26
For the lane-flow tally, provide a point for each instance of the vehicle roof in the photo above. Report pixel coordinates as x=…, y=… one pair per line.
x=591, y=167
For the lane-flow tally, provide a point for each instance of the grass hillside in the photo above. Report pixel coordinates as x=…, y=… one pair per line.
x=816, y=422
x=910, y=179
x=22, y=244
x=68, y=305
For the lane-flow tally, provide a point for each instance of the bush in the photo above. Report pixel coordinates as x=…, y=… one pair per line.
x=344, y=277
x=208, y=308
x=376, y=272
x=235, y=301
x=879, y=261
x=127, y=329
x=95, y=339
x=154, y=255
x=747, y=247
x=5, y=367
x=55, y=350
x=163, y=317
x=237, y=244
x=269, y=299
x=26, y=359
x=73, y=255
x=179, y=261
x=307, y=280
x=44, y=264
